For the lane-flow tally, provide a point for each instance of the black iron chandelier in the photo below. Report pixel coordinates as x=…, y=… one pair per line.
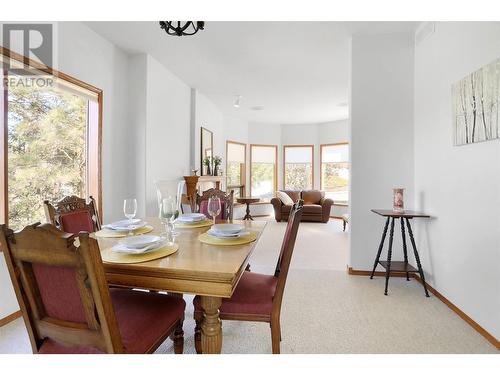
x=181, y=28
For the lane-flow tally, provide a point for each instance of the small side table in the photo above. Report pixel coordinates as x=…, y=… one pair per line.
x=248, y=201
x=399, y=266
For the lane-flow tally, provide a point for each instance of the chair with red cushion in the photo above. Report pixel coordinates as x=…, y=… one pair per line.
x=226, y=203
x=257, y=297
x=73, y=214
x=67, y=305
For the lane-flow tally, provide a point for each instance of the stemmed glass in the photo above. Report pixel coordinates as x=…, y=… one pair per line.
x=214, y=207
x=130, y=209
x=168, y=213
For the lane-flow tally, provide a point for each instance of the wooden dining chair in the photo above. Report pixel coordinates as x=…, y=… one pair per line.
x=258, y=297
x=67, y=305
x=73, y=214
x=226, y=202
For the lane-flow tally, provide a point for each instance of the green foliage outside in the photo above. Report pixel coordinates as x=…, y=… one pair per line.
x=46, y=150
x=298, y=176
x=263, y=180
x=334, y=176
x=233, y=173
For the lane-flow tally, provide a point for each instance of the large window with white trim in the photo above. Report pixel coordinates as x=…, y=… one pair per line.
x=51, y=144
x=335, y=171
x=263, y=171
x=236, y=167
x=298, y=167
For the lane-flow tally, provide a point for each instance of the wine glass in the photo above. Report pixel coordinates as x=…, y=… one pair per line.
x=214, y=207
x=168, y=211
x=130, y=209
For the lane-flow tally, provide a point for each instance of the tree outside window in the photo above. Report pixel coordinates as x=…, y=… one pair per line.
x=335, y=172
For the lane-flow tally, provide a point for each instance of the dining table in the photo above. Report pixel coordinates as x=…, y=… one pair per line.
x=211, y=271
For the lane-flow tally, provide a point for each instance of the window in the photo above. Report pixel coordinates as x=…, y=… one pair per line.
x=263, y=171
x=236, y=161
x=335, y=171
x=298, y=170
x=52, y=145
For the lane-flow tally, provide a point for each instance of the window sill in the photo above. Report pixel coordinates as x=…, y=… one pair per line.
x=341, y=204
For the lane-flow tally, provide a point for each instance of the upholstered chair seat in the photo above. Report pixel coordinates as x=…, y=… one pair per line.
x=143, y=318
x=253, y=296
x=223, y=214
x=73, y=214
x=66, y=302
x=76, y=222
x=258, y=297
x=226, y=203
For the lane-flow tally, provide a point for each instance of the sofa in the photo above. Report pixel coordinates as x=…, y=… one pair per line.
x=316, y=206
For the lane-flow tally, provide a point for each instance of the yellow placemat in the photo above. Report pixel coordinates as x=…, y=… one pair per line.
x=108, y=233
x=205, y=238
x=109, y=256
x=205, y=223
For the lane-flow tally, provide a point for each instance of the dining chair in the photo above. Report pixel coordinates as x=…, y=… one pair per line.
x=258, y=297
x=226, y=202
x=73, y=214
x=67, y=305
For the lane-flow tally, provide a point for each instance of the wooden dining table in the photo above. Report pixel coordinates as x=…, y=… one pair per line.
x=211, y=271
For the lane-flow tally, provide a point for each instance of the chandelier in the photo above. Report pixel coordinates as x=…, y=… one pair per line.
x=181, y=28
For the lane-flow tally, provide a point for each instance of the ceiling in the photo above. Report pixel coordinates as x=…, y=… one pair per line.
x=296, y=71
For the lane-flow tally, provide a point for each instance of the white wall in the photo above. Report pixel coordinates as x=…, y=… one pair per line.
x=235, y=129
x=458, y=186
x=89, y=57
x=207, y=115
x=8, y=301
x=381, y=106
x=167, y=130
x=137, y=71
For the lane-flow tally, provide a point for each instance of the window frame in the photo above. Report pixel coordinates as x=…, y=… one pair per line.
x=94, y=144
x=252, y=145
x=243, y=180
x=321, y=167
x=284, y=163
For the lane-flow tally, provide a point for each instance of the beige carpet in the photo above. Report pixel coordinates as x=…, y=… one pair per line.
x=327, y=311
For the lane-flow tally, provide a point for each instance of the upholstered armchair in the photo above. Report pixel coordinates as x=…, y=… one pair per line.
x=316, y=206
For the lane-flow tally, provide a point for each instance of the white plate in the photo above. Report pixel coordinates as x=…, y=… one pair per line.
x=119, y=248
x=190, y=218
x=137, y=242
x=228, y=228
x=125, y=227
x=226, y=235
x=126, y=222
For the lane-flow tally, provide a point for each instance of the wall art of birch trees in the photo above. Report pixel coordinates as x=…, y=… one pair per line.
x=475, y=105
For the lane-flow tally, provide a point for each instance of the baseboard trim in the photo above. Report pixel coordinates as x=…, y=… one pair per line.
x=10, y=318
x=488, y=336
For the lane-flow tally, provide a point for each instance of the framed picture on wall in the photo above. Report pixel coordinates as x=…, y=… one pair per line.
x=475, y=100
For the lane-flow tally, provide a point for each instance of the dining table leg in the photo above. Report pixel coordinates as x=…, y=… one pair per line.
x=211, y=327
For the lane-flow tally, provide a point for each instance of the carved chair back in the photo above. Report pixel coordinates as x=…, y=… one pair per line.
x=61, y=288
x=226, y=202
x=286, y=252
x=73, y=214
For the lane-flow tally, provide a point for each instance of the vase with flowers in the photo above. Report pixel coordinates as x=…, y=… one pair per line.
x=207, y=162
x=217, y=161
